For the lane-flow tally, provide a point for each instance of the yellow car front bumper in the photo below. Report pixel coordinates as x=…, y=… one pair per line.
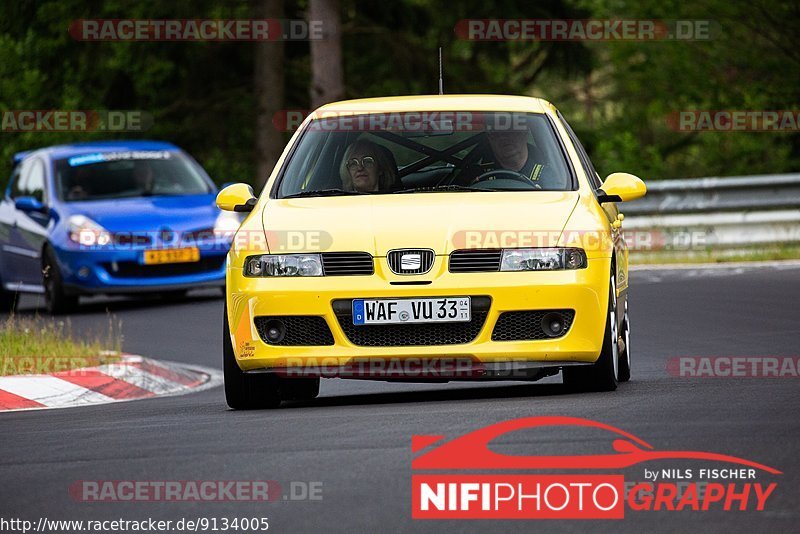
x=584, y=290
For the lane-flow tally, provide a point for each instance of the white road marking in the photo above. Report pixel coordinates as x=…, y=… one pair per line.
x=51, y=391
x=140, y=378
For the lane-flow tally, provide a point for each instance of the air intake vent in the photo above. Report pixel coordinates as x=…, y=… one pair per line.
x=475, y=260
x=532, y=325
x=347, y=263
x=298, y=330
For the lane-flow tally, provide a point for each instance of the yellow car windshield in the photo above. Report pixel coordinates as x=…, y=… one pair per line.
x=390, y=153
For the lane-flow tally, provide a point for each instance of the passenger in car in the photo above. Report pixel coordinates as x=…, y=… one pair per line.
x=510, y=150
x=369, y=167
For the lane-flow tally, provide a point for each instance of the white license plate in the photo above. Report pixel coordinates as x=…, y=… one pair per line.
x=398, y=311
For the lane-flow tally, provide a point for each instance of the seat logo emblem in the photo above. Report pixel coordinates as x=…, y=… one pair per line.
x=410, y=262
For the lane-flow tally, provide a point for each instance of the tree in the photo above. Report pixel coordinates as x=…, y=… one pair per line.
x=327, y=78
x=269, y=89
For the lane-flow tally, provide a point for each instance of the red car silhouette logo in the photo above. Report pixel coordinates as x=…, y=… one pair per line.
x=471, y=451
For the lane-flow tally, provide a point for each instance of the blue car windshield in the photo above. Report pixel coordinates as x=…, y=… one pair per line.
x=112, y=175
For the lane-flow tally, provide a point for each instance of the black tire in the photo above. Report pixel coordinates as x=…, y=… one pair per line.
x=8, y=301
x=246, y=391
x=603, y=375
x=299, y=388
x=56, y=301
x=625, y=356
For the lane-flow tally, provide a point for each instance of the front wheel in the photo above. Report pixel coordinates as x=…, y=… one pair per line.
x=244, y=391
x=603, y=375
x=625, y=355
x=55, y=299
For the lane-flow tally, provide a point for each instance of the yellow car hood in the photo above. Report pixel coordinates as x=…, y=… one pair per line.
x=442, y=222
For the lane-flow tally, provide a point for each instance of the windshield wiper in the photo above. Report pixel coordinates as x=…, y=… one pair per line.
x=437, y=188
x=324, y=193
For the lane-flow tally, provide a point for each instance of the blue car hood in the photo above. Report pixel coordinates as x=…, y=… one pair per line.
x=191, y=212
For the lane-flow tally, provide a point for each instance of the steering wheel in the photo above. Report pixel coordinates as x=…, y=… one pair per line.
x=514, y=175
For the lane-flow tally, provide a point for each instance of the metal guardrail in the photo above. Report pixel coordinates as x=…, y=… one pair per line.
x=738, y=193
x=707, y=213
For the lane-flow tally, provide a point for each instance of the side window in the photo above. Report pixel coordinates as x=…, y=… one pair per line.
x=15, y=182
x=35, y=182
x=594, y=178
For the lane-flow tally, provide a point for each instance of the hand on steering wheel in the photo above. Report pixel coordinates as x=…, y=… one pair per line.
x=509, y=174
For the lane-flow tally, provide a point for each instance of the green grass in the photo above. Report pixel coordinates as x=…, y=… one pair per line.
x=37, y=345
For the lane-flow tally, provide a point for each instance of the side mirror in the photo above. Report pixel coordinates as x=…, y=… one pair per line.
x=29, y=204
x=236, y=197
x=621, y=187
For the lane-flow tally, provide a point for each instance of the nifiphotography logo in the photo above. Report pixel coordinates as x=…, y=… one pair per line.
x=721, y=482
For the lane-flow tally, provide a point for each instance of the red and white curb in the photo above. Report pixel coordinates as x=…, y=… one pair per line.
x=132, y=377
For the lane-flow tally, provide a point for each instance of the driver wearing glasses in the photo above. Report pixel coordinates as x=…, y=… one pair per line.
x=368, y=167
x=511, y=157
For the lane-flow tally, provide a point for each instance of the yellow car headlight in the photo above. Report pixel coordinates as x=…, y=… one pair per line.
x=283, y=265
x=543, y=259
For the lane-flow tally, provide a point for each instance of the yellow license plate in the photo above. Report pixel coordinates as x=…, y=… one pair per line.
x=172, y=255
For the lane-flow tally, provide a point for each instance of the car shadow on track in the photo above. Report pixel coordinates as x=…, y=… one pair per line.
x=494, y=391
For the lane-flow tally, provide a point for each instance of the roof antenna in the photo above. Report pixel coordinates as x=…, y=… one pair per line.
x=441, y=82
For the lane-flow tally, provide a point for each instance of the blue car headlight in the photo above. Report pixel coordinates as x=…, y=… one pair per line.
x=543, y=259
x=86, y=232
x=283, y=265
x=226, y=225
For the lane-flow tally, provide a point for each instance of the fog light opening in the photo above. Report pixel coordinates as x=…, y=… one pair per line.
x=275, y=331
x=553, y=324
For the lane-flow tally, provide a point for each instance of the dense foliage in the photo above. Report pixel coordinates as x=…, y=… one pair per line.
x=617, y=94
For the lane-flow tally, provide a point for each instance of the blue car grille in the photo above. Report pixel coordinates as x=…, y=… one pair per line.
x=133, y=239
x=132, y=269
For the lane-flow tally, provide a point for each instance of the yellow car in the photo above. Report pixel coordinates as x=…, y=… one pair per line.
x=450, y=237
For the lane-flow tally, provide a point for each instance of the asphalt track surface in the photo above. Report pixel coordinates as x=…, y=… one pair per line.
x=355, y=438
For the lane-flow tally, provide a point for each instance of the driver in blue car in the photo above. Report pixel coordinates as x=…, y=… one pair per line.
x=511, y=152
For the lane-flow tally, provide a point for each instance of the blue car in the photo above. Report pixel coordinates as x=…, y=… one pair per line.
x=117, y=217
